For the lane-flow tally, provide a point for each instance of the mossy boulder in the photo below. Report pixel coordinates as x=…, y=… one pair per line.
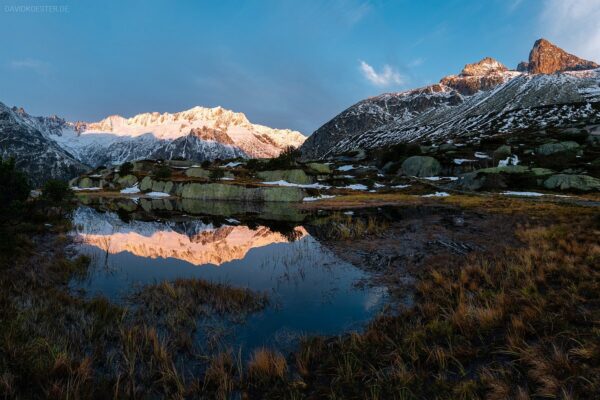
x=297, y=176
x=146, y=184
x=421, y=166
x=516, y=176
x=502, y=152
x=582, y=183
x=85, y=183
x=560, y=147
x=127, y=181
x=197, y=172
x=319, y=168
x=221, y=191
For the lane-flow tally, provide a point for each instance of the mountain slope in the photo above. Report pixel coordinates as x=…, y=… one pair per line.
x=483, y=99
x=198, y=134
x=34, y=153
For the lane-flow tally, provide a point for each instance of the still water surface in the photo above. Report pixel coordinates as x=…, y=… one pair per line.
x=312, y=291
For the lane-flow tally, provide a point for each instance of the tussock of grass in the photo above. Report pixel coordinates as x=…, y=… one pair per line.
x=178, y=304
x=340, y=226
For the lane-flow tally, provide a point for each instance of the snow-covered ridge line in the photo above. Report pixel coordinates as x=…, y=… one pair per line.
x=198, y=133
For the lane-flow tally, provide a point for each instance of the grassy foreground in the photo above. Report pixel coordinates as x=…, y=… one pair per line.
x=520, y=323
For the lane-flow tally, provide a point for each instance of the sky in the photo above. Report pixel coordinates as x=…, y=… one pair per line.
x=285, y=64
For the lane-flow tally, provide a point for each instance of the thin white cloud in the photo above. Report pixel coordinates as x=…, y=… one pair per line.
x=37, y=66
x=416, y=62
x=388, y=75
x=573, y=25
x=514, y=4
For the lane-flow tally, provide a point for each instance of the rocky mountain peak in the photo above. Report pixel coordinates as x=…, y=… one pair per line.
x=547, y=58
x=484, y=67
x=482, y=75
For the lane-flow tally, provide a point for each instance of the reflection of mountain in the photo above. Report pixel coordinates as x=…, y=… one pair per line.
x=198, y=244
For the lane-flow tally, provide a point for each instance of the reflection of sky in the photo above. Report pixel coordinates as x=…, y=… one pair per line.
x=311, y=290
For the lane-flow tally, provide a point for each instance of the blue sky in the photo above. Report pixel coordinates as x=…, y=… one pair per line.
x=286, y=64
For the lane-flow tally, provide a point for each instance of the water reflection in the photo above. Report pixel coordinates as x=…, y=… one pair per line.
x=194, y=241
x=312, y=291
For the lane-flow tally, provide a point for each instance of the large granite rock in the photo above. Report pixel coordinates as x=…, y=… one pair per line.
x=290, y=175
x=197, y=172
x=553, y=148
x=319, y=168
x=127, y=181
x=221, y=191
x=582, y=183
x=421, y=166
x=503, y=177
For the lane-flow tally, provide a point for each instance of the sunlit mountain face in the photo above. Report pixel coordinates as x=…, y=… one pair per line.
x=194, y=242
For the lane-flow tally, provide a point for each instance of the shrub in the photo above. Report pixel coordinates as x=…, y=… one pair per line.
x=125, y=168
x=205, y=164
x=15, y=189
x=162, y=172
x=57, y=191
x=396, y=153
x=286, y=159
x=217, y=174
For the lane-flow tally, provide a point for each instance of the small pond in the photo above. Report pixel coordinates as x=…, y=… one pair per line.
x=311, y=290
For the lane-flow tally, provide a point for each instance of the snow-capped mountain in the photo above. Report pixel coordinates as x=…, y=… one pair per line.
x=34, y=154
x=553, y=89
x=198, y=134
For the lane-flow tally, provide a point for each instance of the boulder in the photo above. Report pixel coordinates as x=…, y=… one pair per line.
x=158, y=186
x=553, y=148
x=503, y=177
x=127, y=181
x=197, y=172
x=85, y=182
x=221, y=191
x=319, y=168
x=584, y=183
x=290, y=175
x=502, y=152
x=146, y=184
x=421, y=166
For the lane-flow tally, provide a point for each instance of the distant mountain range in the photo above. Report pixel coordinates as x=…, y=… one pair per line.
x=552, y=89
x=52, y=147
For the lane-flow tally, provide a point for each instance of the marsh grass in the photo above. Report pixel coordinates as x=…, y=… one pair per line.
x=179, y=304
x=519, y=324
x=339, y=226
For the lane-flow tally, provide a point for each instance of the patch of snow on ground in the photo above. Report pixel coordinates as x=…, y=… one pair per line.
x=437, y=178
x=528, y=194
x=349, y=213
x=481, y=155
x=436, y=194
x=345, y=168
x=356, y=186
x=226, y=179
x=459, y=161
x=510, y=160
x=231, y=165
x=378, y=185
x=286, y=183
x=77, y=188
x=232, y=221
x=158, y=194
x=131, y=190
x=315, y=198
x=400, y=186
